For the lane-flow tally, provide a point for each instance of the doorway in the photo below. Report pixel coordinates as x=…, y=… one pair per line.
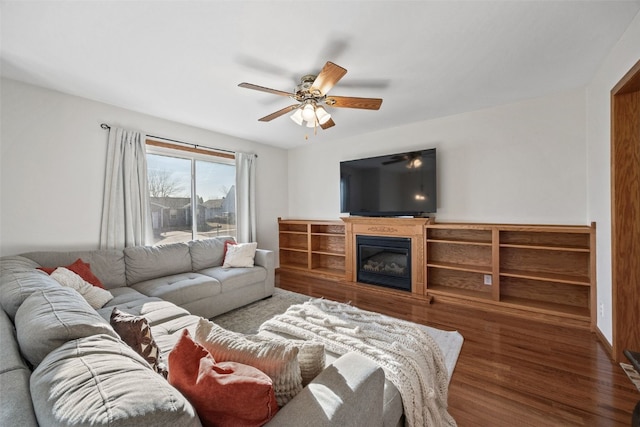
x=625, y=212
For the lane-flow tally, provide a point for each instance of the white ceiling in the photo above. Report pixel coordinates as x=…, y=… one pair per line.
x=183, y=60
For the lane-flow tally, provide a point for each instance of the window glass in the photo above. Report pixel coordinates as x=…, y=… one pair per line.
x=215, y=190
x=191, y=198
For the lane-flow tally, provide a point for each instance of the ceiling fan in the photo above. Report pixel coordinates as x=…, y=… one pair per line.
x=311, y=93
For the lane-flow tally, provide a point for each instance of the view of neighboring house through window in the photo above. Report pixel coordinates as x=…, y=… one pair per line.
x=192, y=195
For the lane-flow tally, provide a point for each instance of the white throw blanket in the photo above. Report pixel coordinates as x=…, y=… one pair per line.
x=410, y=358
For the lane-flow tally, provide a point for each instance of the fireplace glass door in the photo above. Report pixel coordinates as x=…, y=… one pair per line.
x=384, y=261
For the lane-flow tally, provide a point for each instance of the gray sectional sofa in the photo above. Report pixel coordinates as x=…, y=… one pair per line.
x=63, y=364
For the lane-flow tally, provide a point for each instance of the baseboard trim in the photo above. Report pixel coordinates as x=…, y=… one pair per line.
x=603, y=340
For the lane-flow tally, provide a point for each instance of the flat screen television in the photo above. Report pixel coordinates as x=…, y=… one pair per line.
x=402, y=184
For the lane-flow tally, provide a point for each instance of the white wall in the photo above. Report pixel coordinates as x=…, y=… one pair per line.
x=518, y=163
x=53, y=163
x=619, y=61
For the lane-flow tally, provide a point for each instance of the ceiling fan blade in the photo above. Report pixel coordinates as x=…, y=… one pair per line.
x=328, y=124
x=328, y=77
x=265, y=89
x=353, y=102
x=279, y=113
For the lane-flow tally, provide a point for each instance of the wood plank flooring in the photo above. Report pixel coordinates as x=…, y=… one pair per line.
x=511, y=371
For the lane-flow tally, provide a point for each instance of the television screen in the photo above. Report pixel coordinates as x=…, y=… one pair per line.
x=402, y=184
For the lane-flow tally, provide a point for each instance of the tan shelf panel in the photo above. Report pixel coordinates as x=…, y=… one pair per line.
x=293, y=227
x=546, y=248
x=458, y=242
x=295, y=265
x=467, y=293
x=328, y=243
x=463, y=235
x=547, y=277
x=328, y=228
x=547, y=307
x=329, y=253
x=293, y=249
x=329, y=271
x=558, y=237
x=294, y=240
x=461, y=267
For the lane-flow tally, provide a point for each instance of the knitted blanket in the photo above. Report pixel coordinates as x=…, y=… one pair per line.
x=410, y=358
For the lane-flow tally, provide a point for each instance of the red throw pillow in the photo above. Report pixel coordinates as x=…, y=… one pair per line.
x=82, y=269
x=224, y=394
x=226, y=245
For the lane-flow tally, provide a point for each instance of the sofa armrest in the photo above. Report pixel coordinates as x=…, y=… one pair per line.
x=266, y=258
x=349, y=392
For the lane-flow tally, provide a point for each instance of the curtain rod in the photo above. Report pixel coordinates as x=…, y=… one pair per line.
x=107, y=127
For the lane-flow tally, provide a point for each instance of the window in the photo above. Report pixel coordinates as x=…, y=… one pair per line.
x=192, y=194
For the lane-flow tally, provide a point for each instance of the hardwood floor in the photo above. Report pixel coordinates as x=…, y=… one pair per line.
x=511, y=371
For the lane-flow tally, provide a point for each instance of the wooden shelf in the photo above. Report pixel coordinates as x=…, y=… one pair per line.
x=461, y=267
x=466, y=293
x=313, y=246
x=548, y=307
x=547, y=248
x=458, y=242
x=548, y=277
x=539, y=268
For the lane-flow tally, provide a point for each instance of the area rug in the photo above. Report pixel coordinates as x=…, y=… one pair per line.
x=247, y=320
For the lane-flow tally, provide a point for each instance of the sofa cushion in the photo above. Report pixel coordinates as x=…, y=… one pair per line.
x=95, y=296
x=126, y=295
x=100, y=381
x=17, y=285
x=154, y=310
x=180, y=289
x=167, y=334
x=207, y=253
x=9, y=350
x=16, y=263
x=16, y=408
x=276, y=358
x=150, y=262
x=224, y=393
x=235, y=278
x=107, y=264
x=49, y=318
x=240, y=255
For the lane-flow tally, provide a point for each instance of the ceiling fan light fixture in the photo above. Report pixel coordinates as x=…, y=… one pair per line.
x=297, y=117
x=309, y=113
x=322, y=115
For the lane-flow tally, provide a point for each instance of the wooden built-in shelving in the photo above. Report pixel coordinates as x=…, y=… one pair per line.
x=312, y=246
x=545, y=271
x=539, y=268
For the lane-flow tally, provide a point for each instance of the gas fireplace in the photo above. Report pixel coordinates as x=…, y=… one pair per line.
x=384, y=261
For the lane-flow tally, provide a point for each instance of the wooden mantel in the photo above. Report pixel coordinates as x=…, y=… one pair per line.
x=412, y=228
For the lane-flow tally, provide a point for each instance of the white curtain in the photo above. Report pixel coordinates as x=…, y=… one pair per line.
x=246, y=197
x=126, y=218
